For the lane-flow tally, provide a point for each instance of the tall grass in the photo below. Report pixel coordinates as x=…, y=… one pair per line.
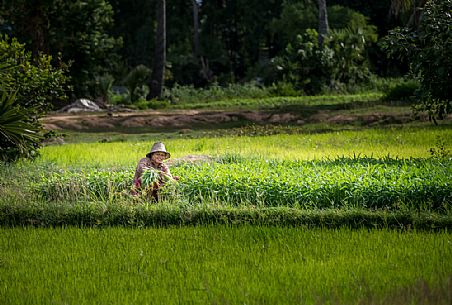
x=223, y=265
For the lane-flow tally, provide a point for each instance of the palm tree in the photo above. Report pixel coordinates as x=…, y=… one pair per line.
x=196, y=47
x=158, y=70
x=323, y=21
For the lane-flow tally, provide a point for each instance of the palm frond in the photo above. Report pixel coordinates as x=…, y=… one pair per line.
x=17, y=132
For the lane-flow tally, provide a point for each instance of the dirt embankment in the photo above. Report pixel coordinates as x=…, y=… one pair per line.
x=196, y=118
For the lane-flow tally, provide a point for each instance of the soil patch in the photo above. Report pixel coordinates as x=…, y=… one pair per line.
x=186, y=120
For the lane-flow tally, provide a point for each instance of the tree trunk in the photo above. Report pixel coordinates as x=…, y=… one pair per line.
x=196, y=47
x=158, y=70
x=323, y=21
x=35, y=28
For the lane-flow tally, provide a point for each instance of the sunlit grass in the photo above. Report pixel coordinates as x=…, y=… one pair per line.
x=377, y=143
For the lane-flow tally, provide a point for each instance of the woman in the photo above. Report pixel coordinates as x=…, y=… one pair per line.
x=154, y=159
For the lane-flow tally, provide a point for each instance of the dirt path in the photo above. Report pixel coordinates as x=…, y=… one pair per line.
x=181, y=119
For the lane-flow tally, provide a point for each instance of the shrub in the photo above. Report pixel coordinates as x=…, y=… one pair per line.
x=143, y=104
x=405, y=91
x=313, y=69
x=136, y=82
x=37, y=83
x=29, y=87
x=215, y=92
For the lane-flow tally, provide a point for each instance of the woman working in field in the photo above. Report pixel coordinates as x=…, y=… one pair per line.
x=151, y=173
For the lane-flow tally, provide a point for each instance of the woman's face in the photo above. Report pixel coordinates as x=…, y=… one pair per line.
x=158, y=157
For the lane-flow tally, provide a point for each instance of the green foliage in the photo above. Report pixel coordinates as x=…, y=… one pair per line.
x=37, y=82
x=136, y=82
x=404, y=91
x=153, y=179
x=149, y=177
x=313, y=69
x=340, y=17
x=342, y=183
x=74, y=31
x=339, y=183
x=79, y=30
x=19, y=136
x=28, y=90
x=428, y=48
x=104, y=86
x=282, y=88
x=189, y=94
x=294, y=20
x=440, y=150
x=143, y=104
x=299, y=16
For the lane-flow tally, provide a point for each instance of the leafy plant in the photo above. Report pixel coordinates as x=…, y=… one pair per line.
x=428, y=48
x=28, y=90
x=153, y=179
x=19, y=136
x=136, y=82
x=405, y=91
x=313, y=69
x=440, y=150
x=104, y=85
x=150, y=177
x=38, y=84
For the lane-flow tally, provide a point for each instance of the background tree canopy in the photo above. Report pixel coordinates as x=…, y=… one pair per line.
x=237, y=39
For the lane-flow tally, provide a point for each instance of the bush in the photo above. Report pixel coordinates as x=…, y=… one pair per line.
x=29, y=87
x=284, y=89
x=136, y=82
x=37, y=83
x=405, y=91
x=340, y=62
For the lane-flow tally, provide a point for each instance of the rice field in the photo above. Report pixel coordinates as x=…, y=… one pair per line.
x=375, y=143
x=224, y=265
x=323, y=209
x=389, y=184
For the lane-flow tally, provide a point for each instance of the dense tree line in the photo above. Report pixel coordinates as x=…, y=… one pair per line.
x=206, y=41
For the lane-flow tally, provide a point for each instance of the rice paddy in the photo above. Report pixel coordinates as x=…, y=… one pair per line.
x=223, y=265
x=342, y=217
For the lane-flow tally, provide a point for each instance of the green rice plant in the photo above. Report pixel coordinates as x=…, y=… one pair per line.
x=223, y=265
x=153, y=180
x=82, y=185
x=376, y=143
x=392, y=184
x=150, y=177
x=344, y=182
